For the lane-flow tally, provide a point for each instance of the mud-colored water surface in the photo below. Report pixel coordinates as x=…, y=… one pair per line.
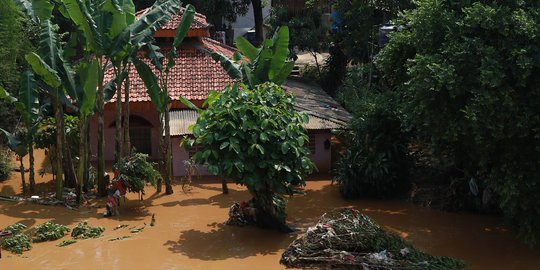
x=189, y=232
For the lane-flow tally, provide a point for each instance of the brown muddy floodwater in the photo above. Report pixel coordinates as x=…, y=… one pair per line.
x=189, y=232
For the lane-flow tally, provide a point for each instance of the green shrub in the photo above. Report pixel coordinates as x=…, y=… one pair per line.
x=18, y=242
x=255, y=137
x=376, y=163
x=49, y=231
x=467, y=75
x=83, y=231
x=6, y=167
x=136, y=171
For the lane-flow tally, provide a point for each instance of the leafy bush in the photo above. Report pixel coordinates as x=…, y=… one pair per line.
x=83, y=231
x=376, y=163
x=49, y=231
x=136, y=171
x=467, y=73
x=18, y=242
x=255, y=137
x=5, y=164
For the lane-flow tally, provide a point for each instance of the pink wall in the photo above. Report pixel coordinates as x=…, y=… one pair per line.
x=151, y=116
x=321, y=158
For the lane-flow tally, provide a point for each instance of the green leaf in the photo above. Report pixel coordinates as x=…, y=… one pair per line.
x=189, y=104
x=280, y=48
x=15, y=144
x=263, y=136
x=28, y=97
x=47, y=74
x=228, y=65
x=284, y=73
x=246, y=48
x=183, y=27
x=260, y=148
x=4, y=95
x=48, y=46
x=79, y=15
x=89, y=79
x=151, y=82
x=285, y=148
x=223, y=145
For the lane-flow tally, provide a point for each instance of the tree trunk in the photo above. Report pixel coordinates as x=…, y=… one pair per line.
x=59, y=115
x=102, y=186
x=82, y=158
x=168, y=154
x=127, y=141
x=258, y=17
x=69, y=170
x=21, y=167
x=118, y=120
x=162, y=152
x=86, y=154
x=31, y=173
x=224, y=185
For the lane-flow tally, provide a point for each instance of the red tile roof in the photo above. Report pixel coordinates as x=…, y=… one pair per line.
x=194, y=75
x=199, y=21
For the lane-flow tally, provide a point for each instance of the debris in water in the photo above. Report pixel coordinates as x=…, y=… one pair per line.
x=138, y=230
x=120, y=227
x=153, y=222
x=66, y=243
x=347, y=239
x=120, y=238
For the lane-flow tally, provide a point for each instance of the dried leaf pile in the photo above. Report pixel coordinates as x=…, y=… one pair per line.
x=347, y=239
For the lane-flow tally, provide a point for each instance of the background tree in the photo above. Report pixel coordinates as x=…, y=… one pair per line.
x=467, y=76
x=16, y=36
x=308, y=33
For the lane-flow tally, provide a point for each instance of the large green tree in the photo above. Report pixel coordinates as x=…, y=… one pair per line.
x=467, y=73
x=255, y=137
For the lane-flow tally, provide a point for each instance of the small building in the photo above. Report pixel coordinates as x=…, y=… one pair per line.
x=193, y=77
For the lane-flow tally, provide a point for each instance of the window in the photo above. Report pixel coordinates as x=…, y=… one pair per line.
x=194, y=149
x=311, y=143
x=141, y=139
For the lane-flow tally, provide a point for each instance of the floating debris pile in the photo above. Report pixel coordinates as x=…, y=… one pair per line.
x=347, y=239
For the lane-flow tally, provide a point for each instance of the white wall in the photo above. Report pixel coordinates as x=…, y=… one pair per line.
x=244, y=23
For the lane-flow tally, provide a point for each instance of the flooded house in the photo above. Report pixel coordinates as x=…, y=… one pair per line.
x=193, y=77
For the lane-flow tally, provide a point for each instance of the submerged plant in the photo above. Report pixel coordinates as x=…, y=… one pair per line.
x=83, y=231
x=66, y=243
x=18, y=242
x=49, y=231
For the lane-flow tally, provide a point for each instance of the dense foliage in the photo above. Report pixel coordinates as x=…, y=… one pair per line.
x=376, y=162
x=5, y=163
x=16, y=37
x=136, y=171
x=308, y=33
x=49, y=231
x=467, y=73
x=46, y=133
x=18, y=241
x=84, y=231
x=255, y=137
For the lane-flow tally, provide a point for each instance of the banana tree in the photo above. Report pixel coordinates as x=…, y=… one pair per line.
x=157, y=89
x=27, y=104
x=113, y=35
x=254, y=66
x=45, y=67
